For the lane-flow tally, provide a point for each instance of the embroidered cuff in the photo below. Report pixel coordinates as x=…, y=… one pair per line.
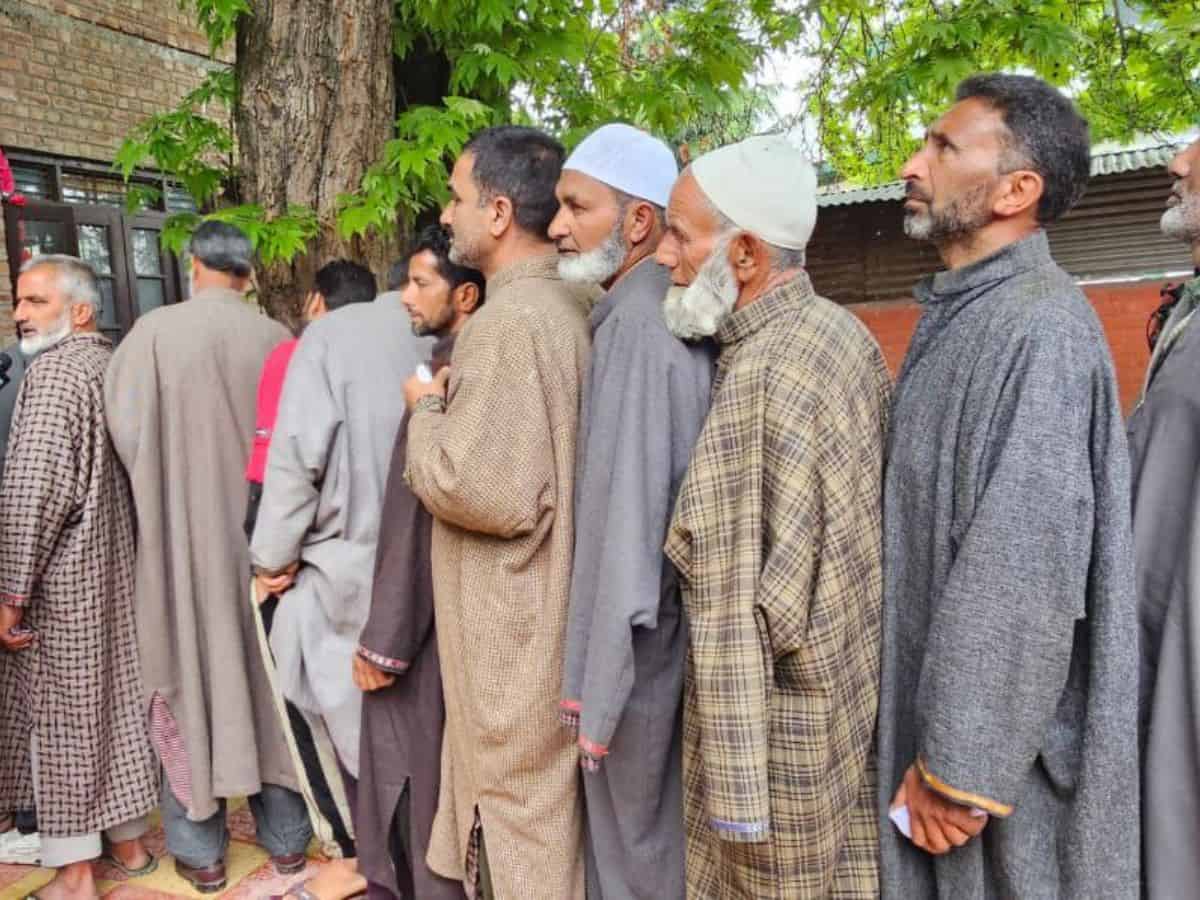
x=431, y=403
x=591, y=754
x=14, y=600
x=966, y=798
x=741, y=832
x=568, y=713
x=387, y=663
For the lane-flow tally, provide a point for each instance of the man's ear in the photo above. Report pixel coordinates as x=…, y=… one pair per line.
x=81, y=315
x=1019, y=191
x=315, y=306
x=640, y=221
x=500, y=215
x=465, y=297
x=748, y=256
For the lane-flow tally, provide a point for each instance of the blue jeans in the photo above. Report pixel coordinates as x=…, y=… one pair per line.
x=280, y=819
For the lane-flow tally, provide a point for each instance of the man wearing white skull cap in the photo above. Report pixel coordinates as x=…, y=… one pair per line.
x=776, y=536
x=644, y=400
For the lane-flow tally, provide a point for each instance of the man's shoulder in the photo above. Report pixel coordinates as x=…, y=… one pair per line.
x=1045, y=303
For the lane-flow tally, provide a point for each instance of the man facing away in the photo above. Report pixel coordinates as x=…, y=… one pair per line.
x=179, y=398
x=73, y=738
x=319, y=516
x=776, y=537
x=644, y=402
x=493, y=460
x=403, y=713
x=334, y=285
x=1164, y=446
x=1008, y=714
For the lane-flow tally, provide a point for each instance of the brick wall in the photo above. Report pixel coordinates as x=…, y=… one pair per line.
x=1123, y=309
x=77, y=75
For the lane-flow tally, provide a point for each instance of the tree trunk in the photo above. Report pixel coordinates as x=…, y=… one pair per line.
x=317, y=103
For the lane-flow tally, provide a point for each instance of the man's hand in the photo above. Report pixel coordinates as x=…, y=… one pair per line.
x=369, y=677
x=10, y=619
x=415, y=388
x=938, y=824
x=276, y=582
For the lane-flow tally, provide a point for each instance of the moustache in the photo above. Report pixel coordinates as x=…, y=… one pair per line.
x=912, y=192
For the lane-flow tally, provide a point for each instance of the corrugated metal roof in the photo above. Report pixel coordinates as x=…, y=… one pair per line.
x=1105, y=162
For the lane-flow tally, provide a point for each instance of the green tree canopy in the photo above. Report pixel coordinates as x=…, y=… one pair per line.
x=876, y=72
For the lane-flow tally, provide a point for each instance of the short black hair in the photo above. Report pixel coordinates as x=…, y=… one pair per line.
x=522, y=164
x=436, y=240
x=342, y=282
x=397, y=274
x=1046, y=134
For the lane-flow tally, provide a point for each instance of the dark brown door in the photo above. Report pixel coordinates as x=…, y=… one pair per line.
x=152, y=274
x=135, y=274
x=101, y=239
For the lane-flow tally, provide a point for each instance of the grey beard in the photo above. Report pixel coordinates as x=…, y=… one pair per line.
x=698, y=310
x=597, y=265
x=1182, y=222
x=965, y=215
x=39, y=343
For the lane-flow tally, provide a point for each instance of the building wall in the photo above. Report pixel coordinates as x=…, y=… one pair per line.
x=77, y=75
x=1123, y=308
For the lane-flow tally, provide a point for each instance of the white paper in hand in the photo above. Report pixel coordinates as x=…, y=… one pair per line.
x=424, y=375
x=899, y=817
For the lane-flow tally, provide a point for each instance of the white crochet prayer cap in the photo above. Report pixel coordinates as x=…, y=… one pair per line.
x=763, y=185
x=628, y=159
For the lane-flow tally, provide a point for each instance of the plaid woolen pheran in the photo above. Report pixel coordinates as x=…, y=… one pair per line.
x=777, y=538
x=67, y=558
x=496, y=469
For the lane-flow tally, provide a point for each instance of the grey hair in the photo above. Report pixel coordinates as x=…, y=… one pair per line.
x=76, y=279
x=223, y=248
x=782, y=258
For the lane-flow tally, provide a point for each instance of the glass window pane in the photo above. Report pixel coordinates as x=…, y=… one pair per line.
x=93, y=248
x=32, y=181
x=108, y=309
x=146, y=258
x=149, y=294
x=178, y=199
x=38, y=238
x=78, y=188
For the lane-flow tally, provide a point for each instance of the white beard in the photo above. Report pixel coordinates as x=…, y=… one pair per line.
x=698, y=310
x=598, y=265
x=32, y=346
x=1182, y=222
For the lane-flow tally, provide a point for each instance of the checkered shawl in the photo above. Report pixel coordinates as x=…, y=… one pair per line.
x=67, y=558
x=777, y=537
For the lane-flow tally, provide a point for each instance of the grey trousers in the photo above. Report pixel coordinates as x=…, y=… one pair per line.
x=280, y=820
x=64, y=851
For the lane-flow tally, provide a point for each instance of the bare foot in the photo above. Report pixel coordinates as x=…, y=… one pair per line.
x=337, y=881
x=73, y=882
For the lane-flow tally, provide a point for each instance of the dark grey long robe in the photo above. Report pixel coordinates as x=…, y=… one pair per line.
x=644, y=402
x=1164, y=445
x=401, y=744
x=1010, y=642
x=8, y=396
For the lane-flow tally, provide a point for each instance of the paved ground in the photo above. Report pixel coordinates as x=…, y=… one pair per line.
x=251, y=876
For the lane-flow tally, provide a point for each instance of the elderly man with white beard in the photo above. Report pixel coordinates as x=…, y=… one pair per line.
x=73, y=740
x=644, y=400
x=1164, y=446
x=777, y=539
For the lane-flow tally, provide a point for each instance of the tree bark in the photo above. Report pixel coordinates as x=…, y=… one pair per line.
x=317, y=102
